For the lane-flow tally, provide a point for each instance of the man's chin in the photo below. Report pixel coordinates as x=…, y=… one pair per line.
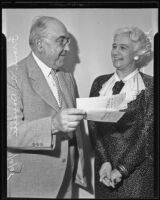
x=59, y=64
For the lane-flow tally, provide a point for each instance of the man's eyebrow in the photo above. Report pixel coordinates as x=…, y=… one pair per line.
x=63, y=37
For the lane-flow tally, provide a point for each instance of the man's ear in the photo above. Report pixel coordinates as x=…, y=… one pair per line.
x=39, y=45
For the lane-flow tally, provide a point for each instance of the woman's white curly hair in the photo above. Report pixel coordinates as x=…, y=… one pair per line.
x=142, y=43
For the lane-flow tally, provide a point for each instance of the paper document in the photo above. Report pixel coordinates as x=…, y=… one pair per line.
x=102, y=108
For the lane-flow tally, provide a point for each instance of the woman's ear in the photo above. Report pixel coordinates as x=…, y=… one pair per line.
x=136, y=58
x=139, y=54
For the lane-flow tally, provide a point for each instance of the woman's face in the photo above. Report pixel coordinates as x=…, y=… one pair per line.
x=122, y=52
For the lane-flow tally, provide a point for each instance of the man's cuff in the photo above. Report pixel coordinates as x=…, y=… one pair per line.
x=53, y=129
x=53, y=135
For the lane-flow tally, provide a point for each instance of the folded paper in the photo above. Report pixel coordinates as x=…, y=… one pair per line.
x=102, y=108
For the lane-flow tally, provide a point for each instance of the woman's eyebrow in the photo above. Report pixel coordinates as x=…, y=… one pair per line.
x=120, y=44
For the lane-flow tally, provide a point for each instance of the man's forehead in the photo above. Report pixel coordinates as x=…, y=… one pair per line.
x=56, y=29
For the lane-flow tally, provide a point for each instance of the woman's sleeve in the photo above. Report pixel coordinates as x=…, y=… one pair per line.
x=141, y=147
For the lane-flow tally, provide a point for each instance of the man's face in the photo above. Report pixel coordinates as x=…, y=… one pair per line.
x=55, y=46
x=122, y=52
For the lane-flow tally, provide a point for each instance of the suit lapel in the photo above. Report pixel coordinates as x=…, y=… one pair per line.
x=40, y=84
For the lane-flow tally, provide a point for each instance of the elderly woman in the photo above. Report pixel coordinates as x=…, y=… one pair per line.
x=124, y=150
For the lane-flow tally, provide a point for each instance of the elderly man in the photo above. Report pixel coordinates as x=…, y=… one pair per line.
x=42, y=123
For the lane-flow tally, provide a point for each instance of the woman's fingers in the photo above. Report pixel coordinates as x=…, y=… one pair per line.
x=102, y=177
x=106, y=181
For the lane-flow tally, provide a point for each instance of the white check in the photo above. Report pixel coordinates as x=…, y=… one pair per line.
x=102, y=108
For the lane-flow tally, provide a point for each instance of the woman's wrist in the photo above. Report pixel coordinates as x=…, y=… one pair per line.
x=122, y=170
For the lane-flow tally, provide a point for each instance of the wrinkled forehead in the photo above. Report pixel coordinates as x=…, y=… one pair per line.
x=56, y=29
x=122, y=38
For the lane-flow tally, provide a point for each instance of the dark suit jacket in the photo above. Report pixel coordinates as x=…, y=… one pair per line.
x=35, y=169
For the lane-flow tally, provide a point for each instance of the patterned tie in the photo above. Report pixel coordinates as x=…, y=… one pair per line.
x=59, y=91
x=117, y=87
x=61, y=101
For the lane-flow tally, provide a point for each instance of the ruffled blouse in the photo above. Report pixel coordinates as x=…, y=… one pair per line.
x=133, y=86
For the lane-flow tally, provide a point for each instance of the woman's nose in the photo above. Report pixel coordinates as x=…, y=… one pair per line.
x=115, y=51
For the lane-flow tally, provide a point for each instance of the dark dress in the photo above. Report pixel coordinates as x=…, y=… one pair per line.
x=129, y=142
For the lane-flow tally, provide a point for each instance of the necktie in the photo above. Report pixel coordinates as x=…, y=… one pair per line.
x=117, y=87
x=59, y=92
x=60, y=99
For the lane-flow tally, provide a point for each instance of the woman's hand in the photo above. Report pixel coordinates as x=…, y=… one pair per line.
x=116, y=176
x=105, y=174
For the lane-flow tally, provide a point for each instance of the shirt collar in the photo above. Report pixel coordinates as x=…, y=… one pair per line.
x=129, y=76
x=45, y=69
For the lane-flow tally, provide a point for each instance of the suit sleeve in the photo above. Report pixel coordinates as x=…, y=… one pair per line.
x=22, y=133
x=142, y=147
x=73, y=87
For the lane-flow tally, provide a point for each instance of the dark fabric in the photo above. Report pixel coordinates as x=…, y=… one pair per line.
x=129, y=142
x=73, y=141
x=117, y=87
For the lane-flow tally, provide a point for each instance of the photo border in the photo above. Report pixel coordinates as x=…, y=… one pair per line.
x=77, y=4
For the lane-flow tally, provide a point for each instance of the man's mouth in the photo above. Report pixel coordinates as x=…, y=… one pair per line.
x=63, y=54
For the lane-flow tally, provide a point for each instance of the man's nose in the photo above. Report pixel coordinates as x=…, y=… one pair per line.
x=67, y=47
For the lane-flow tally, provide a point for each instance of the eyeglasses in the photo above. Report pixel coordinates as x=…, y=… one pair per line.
x=63, y=41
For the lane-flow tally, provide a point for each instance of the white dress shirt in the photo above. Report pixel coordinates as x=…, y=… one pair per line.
x=47, y=74
x=133, y=86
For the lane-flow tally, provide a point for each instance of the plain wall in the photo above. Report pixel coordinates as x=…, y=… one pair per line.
x=91, y=32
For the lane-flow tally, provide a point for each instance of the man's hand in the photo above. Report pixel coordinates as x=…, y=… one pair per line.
x=105, y=174
x=67, y=120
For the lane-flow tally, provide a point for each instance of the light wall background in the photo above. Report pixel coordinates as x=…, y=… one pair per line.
x=91, y=33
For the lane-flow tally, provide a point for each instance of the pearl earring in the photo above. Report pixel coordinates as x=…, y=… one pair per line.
x=136, y=58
